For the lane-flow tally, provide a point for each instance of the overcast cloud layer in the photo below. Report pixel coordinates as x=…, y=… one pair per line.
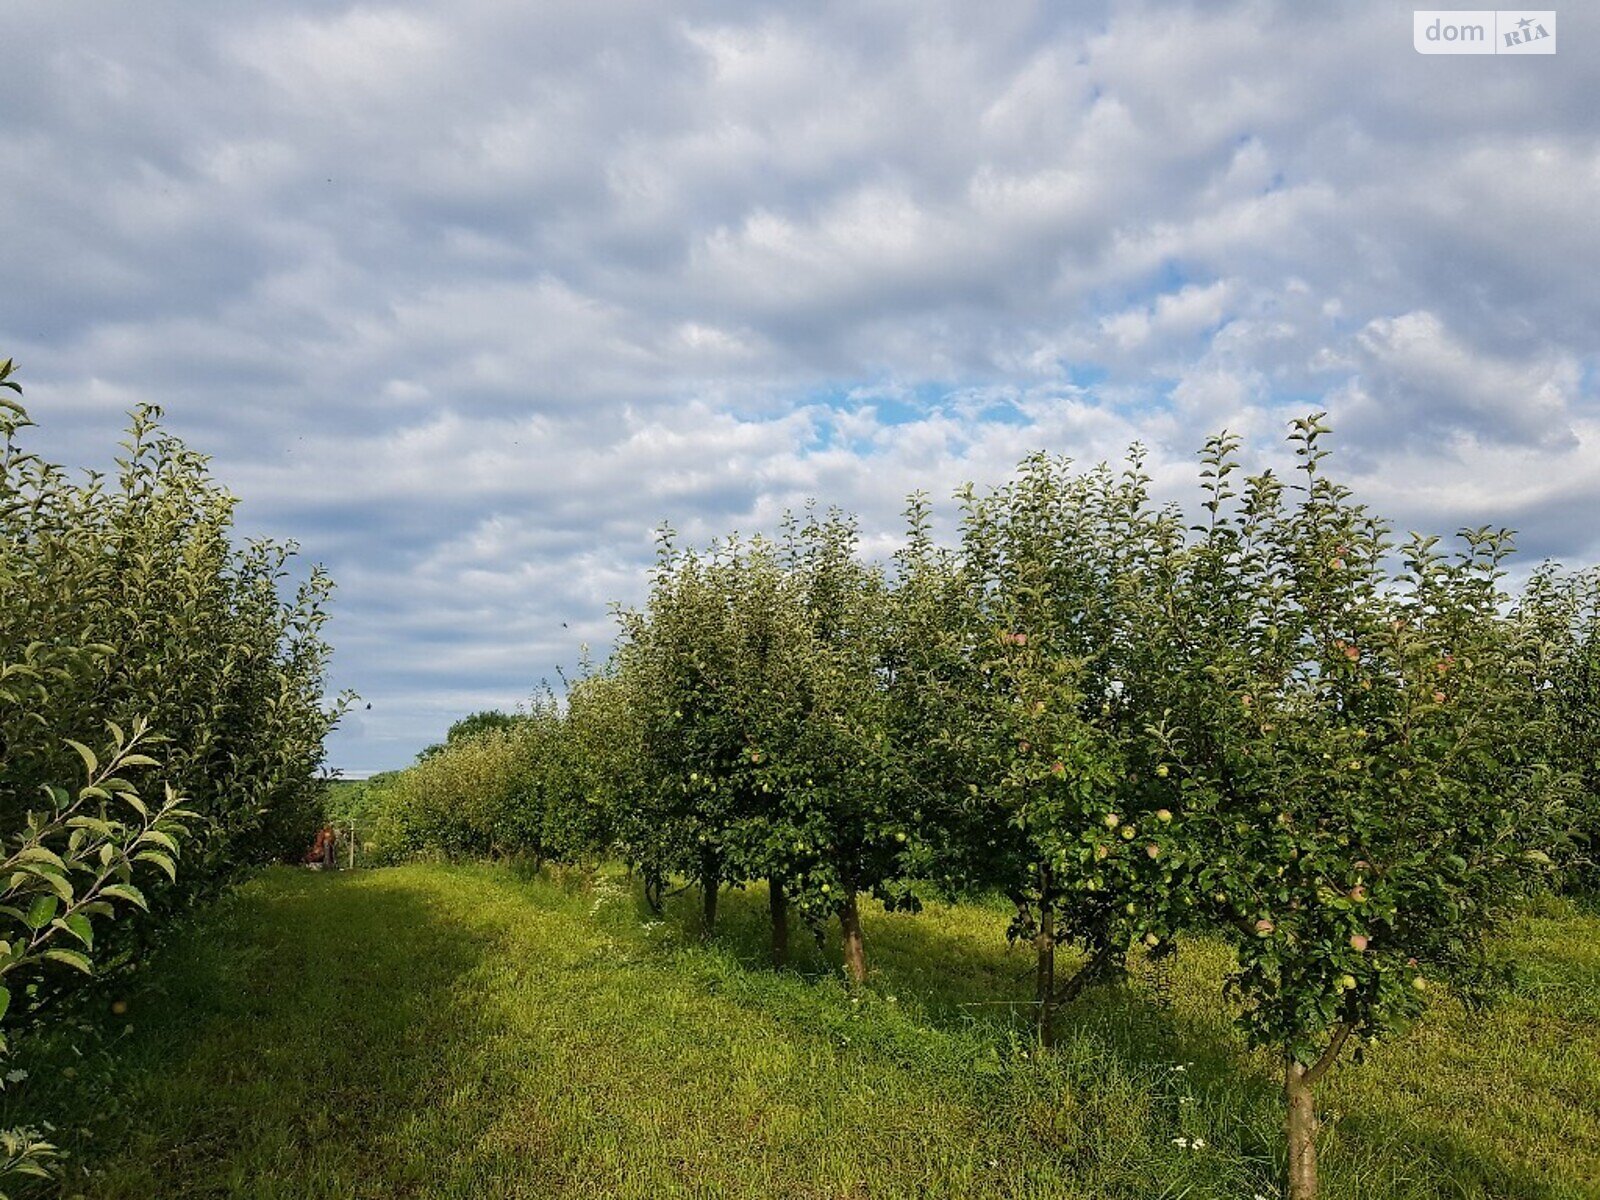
x=467, y=298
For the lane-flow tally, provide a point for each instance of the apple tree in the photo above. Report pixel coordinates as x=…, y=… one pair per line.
x=708, y=691
x=674, y=656
x=1559, y=613
x=1072, y=811
x=771, y=695
x=1350, y=736
x=842, y=823
x=595, y=766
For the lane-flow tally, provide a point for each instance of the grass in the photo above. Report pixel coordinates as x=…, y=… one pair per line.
x=434, y=1031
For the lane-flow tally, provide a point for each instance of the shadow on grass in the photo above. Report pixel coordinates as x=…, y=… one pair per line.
x=952, y=965
x=323, y=1037
x=954, y=960
x=291, y=1035
x=1374, y=1145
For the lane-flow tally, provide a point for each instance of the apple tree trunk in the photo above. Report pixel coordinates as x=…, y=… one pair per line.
x=1044, y=943
x=778, y=903
x=1301, y=1126
x=710, y=874
x=855, y=955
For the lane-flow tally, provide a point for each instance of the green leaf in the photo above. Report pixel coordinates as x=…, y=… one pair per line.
x=94, y=825
x=30, y=854
x=73, y=958
x=42, y=911
x=78, y=925
x=90, y=762
x=57, y=881
x=160, y=839
x=125, y=891
x=5, y=1001
x=161, y=860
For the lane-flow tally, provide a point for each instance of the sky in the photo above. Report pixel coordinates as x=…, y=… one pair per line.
x=468, y=298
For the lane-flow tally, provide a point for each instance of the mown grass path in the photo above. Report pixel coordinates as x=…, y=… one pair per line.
x=457, y=1032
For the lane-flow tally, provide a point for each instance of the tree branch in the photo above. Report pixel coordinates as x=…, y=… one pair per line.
x=1085, y=975
x=1330, y=1055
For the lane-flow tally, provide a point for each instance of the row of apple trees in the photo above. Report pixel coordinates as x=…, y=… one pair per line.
x=1271, y=721
x=161, y=713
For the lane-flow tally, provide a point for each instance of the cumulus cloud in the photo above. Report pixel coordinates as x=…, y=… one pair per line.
x=467, y=299
x=1416, y=380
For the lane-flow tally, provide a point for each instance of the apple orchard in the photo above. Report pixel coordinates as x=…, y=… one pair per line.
x=1267, y=719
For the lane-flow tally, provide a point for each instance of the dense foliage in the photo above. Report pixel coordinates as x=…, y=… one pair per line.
x=1559, y=614
x=470, y=726
x=1348, y=756
x=161, y=701
x=1363, y=770
x=1073, y=815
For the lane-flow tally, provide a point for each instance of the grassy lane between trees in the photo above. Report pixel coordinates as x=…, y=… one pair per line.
x=430, y=1031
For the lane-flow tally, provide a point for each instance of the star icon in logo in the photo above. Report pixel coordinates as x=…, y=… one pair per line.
x=1524, y=23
